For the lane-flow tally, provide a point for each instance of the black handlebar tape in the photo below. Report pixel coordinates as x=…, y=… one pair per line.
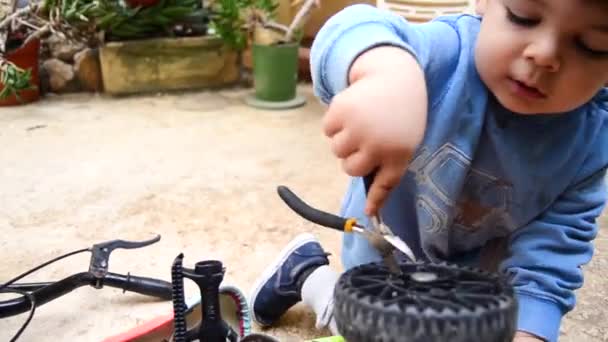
x=142, y=285
x=314, y=215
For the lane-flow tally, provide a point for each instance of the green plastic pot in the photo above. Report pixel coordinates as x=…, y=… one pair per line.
x=275, y=72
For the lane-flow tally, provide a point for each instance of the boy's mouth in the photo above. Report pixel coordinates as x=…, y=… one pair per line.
x=522, y=89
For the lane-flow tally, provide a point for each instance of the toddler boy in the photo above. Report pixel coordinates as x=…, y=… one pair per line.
x=486, y=130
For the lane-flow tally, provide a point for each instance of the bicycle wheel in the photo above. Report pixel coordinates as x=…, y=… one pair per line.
x=429, y=303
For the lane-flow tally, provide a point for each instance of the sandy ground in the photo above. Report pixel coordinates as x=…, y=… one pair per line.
x=201, y=169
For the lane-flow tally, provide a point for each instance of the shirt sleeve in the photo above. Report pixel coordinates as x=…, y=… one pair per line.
x=546, y=256
x=357, y=28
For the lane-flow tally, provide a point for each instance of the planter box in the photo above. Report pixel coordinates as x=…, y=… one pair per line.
x=163, y=64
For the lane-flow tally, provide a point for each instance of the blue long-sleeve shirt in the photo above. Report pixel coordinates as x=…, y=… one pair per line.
x=481, y=172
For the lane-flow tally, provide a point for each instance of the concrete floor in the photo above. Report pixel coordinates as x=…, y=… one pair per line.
x=201, y=169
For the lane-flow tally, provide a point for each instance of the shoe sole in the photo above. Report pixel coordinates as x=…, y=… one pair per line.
x=296, y=243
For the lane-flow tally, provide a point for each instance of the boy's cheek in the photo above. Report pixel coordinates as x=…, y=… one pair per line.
x=480, y=7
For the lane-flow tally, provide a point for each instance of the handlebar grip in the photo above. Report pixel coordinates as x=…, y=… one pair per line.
x=306, y=211
x=146, y=286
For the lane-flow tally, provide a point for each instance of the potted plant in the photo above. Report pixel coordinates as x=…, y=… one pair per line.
x=161, y=46
x=274, y=47
x=100, y=23
x=19, y=75
x=19, y=61
x=22, y=30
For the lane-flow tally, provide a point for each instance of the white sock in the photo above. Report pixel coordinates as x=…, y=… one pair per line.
x=318, y=293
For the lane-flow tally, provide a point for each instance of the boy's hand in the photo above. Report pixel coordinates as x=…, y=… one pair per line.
x=379, y=120
x=522, y=336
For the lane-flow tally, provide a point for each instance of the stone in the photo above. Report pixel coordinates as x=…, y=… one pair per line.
x=60, y=74
x=62, y=49
x=88, y=70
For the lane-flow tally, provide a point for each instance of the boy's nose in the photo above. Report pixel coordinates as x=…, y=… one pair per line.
x=544, y=53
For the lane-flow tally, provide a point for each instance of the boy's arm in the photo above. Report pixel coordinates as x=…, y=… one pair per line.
x=358, y=28
x=546, y=256
x=390, y=94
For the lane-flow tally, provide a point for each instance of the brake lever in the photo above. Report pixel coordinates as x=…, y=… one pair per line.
x=100, y=254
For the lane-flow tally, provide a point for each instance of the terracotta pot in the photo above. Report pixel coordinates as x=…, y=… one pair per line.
x=304, y=64
x=25, y=57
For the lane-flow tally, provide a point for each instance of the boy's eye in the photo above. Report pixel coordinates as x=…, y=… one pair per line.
x=591, y=52
x=519, y=20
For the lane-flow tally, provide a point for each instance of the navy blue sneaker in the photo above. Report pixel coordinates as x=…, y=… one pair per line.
x=280, y=286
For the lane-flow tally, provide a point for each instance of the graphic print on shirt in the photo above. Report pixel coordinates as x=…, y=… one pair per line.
x=458, y=207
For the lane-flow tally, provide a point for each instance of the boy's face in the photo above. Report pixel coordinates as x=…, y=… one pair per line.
x=543, y=56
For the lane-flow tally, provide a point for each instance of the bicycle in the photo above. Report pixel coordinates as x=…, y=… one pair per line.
x=411, y=301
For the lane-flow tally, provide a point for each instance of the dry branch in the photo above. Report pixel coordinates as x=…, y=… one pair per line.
x=300, y=17
x=6, y=21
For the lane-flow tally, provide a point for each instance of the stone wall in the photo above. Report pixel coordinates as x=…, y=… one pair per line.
x=138, y=66
x=67, y=67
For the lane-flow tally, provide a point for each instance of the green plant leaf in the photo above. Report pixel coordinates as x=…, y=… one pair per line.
x=14, y=80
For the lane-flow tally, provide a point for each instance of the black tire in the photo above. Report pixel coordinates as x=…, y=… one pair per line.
x=430, y=303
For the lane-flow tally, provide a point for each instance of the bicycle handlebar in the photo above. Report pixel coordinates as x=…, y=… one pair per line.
x=46, y=292
x=142, y=285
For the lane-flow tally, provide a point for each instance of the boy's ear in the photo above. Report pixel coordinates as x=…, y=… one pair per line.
x=480, y=6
